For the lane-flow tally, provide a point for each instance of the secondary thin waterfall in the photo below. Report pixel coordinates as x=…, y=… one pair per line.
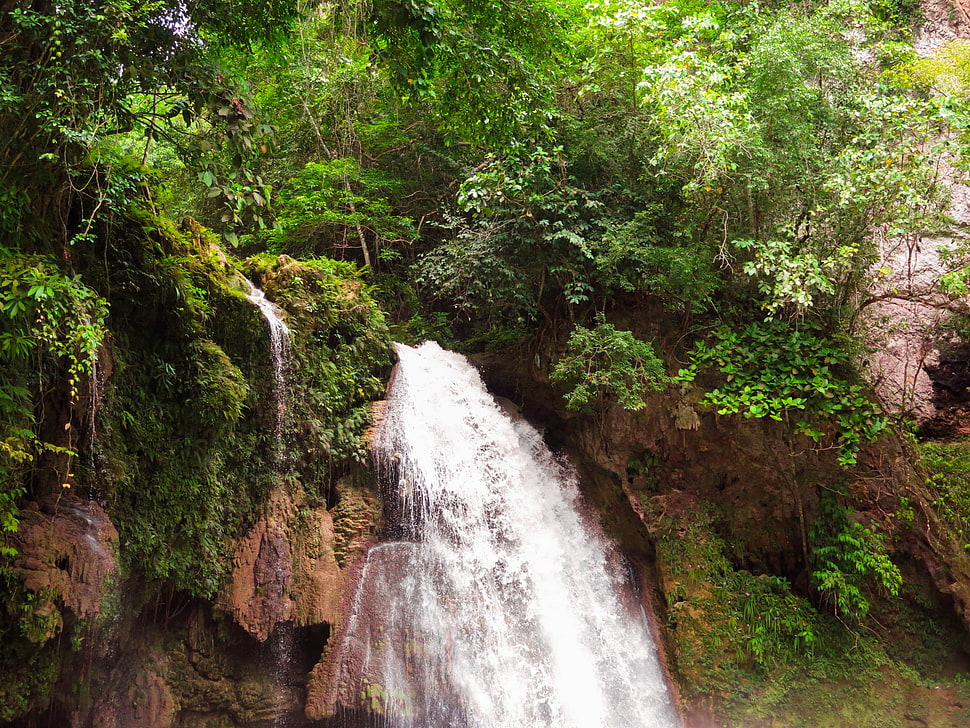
x=280, y=352
x=279, y=348
x=499, y=606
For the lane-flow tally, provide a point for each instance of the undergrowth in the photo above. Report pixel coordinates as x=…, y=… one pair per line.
x=762, y=653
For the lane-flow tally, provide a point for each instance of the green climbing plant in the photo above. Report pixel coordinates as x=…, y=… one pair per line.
x=51, y=325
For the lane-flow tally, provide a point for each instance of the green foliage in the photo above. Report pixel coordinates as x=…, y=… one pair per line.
x=774, y=368
x=792, y=136
x=78, y=74
x=51, y=326
x=177, y=413
x=779, y=623
x=241, y=22
x=48, y=314
x=729, y=625
x=636, y=255
x=710, y=139
x=697, y=140
x=28, y=668
x=167, y=420
x=948, y=466
x=754, y=649
x=526, y=233
x=531, y=239
x=485, y=69
x=342, y=350
x=601, y=364
x=792, y=280
x=849, y=561
x=320, y=213
x=897, y=12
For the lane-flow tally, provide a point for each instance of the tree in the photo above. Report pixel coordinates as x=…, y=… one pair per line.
x=77, y=73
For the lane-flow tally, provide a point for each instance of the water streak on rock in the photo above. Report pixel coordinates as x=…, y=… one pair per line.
x=279, y=348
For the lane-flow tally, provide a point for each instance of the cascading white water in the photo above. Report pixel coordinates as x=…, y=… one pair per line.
x=279, y=347
x=500, y=607
x=280, y=357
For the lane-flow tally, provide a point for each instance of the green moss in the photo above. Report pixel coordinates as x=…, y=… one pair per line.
x=222, y=389
x=355, y=515
x=29, y=659
x=749, y=648
x=730, y=627
x=342, y=353
x=948, y=476
x=189, y=442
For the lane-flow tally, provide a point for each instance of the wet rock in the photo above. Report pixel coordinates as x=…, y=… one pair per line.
x=317, y=579
x=288, y=567
x=68, y=552
x=258, y=596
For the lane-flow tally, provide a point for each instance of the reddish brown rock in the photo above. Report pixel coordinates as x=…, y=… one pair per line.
x=317, y=579
x=68, y=552
x=289, y=567
x=259, y=593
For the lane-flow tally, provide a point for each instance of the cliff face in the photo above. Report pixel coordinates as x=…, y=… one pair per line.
x=727, y=517
x=240, y=661
x=190, y=568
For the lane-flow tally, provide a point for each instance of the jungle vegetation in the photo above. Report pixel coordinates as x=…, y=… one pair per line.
x=478, y=172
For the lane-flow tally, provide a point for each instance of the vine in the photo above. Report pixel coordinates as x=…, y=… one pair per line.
x=51, y=325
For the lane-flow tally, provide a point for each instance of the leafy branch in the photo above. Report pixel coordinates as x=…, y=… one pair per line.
x=603, y=362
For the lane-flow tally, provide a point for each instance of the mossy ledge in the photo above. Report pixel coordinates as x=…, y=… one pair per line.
x=222, y=497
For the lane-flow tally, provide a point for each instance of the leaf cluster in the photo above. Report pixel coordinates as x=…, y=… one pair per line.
x=51, y=326
x=485, y=69
x=602, y=364
x=849, y=561
x=775, y=368
x=324, y=207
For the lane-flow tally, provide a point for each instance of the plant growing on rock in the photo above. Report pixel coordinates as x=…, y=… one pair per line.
x=849, y=561
x=603, y=363
x=775, y=368
x=51, y=326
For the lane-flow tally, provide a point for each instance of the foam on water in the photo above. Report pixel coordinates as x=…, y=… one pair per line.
x=500, y=606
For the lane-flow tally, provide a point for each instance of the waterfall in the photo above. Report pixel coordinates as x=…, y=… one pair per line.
x=279, y=349
x=498, y=605
x=281, y=645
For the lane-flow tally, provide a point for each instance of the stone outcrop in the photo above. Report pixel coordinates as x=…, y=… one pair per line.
x=259, y=593
x=288, y=567
x=68, y=554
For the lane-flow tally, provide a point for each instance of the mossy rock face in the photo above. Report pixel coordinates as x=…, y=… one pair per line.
x=342, y=355
x=189, y=439
x=752, y=650
x=356, y=517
